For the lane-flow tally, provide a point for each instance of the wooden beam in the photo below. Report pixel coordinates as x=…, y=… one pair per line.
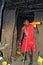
x=27, y=11
x=1, y=12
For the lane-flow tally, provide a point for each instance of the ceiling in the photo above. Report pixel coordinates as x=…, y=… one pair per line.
x=11, y=4
x=23, y=6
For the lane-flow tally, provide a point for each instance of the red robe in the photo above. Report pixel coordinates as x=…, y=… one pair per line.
x=29, y=42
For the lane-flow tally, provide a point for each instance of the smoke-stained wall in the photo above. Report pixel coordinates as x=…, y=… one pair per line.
x=39, y=37
x=38, y=16
x=9, y=33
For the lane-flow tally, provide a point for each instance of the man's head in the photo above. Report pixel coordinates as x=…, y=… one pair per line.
x=26, y=22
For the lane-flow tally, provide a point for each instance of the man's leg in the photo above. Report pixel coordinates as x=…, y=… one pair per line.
x=25, y=56
x=31, y=57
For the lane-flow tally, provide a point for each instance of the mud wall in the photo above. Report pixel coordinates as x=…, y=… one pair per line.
x=9, y=33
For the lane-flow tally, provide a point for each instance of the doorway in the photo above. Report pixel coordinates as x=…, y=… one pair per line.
x=20, y=19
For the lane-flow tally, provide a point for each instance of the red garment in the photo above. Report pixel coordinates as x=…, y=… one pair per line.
x=28, y=42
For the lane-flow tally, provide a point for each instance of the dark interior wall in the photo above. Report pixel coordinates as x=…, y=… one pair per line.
x=39, y=16
x=20, y=19
x=19, y=25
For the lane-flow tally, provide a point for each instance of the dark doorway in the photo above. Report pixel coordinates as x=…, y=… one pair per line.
x=20, y=19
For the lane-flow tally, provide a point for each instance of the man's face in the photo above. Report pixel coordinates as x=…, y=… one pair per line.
x=26, y=22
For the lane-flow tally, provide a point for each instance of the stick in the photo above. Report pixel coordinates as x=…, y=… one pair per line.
x=24, y=59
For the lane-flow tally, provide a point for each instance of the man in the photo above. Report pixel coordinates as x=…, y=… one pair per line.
x=29, y=41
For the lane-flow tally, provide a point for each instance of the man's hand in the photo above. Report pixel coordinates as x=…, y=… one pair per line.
x=36, y=29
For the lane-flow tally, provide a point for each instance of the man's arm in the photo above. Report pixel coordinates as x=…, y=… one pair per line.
x=36, y=28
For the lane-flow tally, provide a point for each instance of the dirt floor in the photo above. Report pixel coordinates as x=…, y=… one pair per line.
x=19, y=62
x=39, y=46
